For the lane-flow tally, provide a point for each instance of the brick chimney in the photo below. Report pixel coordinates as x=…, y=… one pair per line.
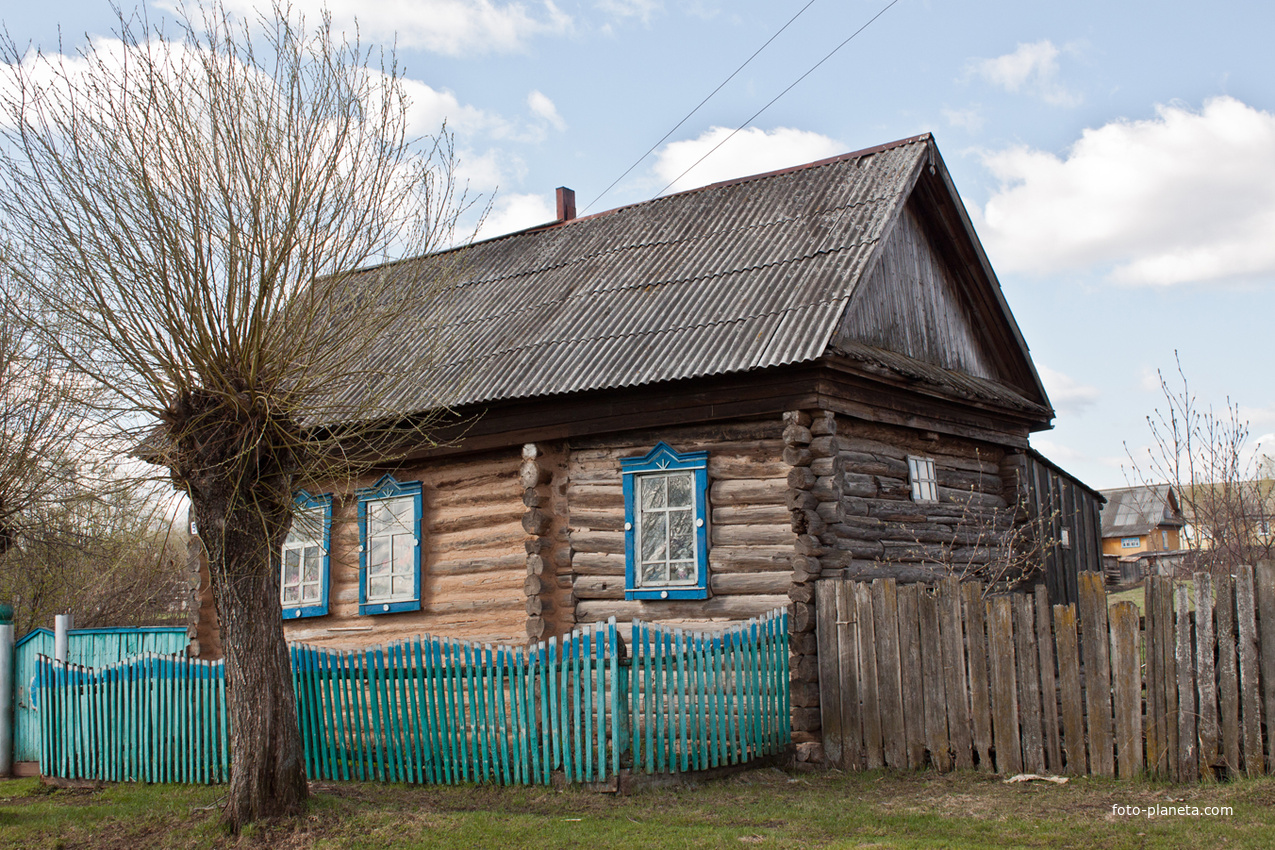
x=566, y=204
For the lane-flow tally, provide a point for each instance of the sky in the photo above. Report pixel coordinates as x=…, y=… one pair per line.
x=1117, y=159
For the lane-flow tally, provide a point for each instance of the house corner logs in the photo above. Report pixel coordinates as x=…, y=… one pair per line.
x=550, y=604
x=809, y=450
x=202, y=627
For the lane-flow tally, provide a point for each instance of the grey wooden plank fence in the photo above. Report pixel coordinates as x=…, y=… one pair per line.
x=942, y=676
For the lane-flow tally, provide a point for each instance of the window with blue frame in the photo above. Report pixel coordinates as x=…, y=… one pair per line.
x=666, y=524
x=390, y=547
x=305, y=565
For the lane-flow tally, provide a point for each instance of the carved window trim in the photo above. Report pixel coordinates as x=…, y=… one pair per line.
x=314, y=513
x=663, y=461
x=390, y=489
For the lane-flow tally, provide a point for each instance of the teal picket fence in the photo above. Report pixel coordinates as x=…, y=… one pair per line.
x=155, y=718
x=436, y=710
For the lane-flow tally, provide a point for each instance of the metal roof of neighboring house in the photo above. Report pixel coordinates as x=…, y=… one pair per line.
x=737, y=276
x=1134, y=511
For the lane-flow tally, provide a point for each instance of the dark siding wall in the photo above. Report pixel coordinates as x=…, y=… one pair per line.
x=1055, y=501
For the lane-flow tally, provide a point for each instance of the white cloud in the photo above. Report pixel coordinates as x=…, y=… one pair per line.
x=1032, y=68
x=1184, y=197
x=640, y=9
x=450, y=27
x=970, y=120
x=751, y=151
x=543, y=107
x=511, y=213
x=1067, y=394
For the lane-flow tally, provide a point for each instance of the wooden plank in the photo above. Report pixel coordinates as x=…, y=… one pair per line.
x=1127, y=687
x=980, y=697
x=829, y=676
x=1250, y=693
x=957, y=680
x=1228, y=687
x=848, y=669
x=1048, y=682
x=1188, y=750
x=1206, y=681
x=1264, y=576
x=1073, y=709
x=1029, y=709
x=910, y=656
x=874, y=751
x=1004, y=685
x=1096, y=653
x=1165, y=626
x=885, y=609
x=1155, y=723
x=935, y=691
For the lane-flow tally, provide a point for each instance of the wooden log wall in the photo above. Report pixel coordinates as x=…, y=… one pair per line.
x=915, y=675
x=473, y=560
x=874, y=529
x=751, y=539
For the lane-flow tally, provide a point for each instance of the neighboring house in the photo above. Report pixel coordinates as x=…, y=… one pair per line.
x=1237, y=515
x=1142, y=519
x=690, y=409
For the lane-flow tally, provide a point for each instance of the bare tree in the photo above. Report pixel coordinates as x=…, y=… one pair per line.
x=40, y=421
x=1204, y=455
x=196, y=208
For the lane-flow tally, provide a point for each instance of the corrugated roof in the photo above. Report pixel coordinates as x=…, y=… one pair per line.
x=1139, y=510
x=743, y=275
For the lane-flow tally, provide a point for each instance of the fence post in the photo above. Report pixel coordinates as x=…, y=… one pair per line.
x=6, y=690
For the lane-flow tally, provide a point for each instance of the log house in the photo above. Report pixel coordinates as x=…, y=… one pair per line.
x=806, y=373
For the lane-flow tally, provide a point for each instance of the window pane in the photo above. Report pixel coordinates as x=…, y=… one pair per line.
x=378, y=556
x=403, y=512
x=679, y=490
x=291, y=566
x=404, y=560
x=378, y=588
x=310, y=593
x=681, y=570
x=681, y=535
x=653, y=494
x=290, y=595
x=653, y=573
x=402, y=587
x=654, y=541
x=311, y=564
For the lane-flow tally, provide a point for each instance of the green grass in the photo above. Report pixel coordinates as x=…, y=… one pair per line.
x=764, y=808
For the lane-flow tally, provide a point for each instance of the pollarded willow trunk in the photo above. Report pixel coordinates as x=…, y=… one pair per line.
x=231, y=457
x=267, y=777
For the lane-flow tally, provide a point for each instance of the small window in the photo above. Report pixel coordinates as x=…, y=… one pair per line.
x=1164, y=538
x=1130, y=542
x=1065, y=538
x=305, y=565
x=389, y=547
x=925, y=485
x=665, y=525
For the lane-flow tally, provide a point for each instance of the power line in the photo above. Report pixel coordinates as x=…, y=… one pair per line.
x=776, y=97
x=697, y=108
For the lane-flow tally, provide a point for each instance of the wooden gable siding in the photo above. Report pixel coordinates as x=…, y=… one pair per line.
x=473, y=560
x=874, y=529
x=912, y=303
x=751, y=536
